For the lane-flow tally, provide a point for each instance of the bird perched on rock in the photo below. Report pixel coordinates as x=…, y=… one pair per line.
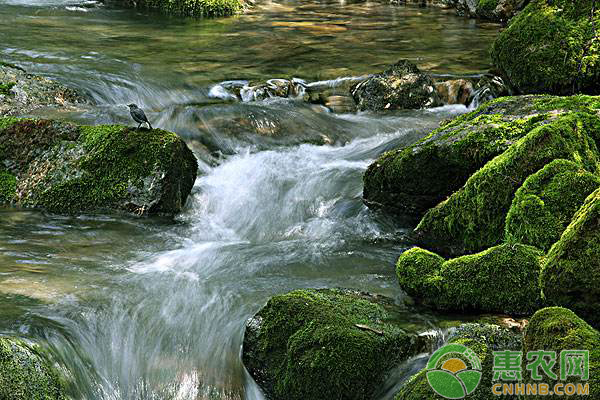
x=138, y=115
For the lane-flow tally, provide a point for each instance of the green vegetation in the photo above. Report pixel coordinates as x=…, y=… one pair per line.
x=557, y=329
x=544, y=206
x=552, y=47
x=571, y=274
x=473, y=218
x=483, y=339
x=501, y=279
x=25, y=373
x=192, y=8
x=8, y=187
x=324, y=344
x=67, y=168
x=5, y=87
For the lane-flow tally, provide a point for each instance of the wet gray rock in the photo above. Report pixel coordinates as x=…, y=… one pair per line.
x=21, y=93
x=401, y=86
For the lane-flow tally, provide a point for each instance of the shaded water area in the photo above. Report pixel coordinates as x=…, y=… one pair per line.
x=155, y=309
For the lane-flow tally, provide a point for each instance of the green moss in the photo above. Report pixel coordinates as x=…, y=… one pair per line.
x=67, y=168
x=473, y=218
x=306, y=345
x=487, y=5
x=418, y=272
x=8, y=187
x=502, y=279
x=5, y=87
x=550, y=47
x=193, y=8
x=571, y=273
x=25, y=374
x=544, y=206
x=557, y=329
x=483, y=339
x=413, y=179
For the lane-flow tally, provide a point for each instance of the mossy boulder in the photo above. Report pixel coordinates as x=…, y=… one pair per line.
x=401, y=86
x=26, y=374
x=413, y=179
x=544, y=206
x=68, y=168
x=555, y=329
x=325, y=344
x=552, y=46
x=483, y=339
x=191, y=8
x=472, y=218
x=571, y=273
x=502, y=279
x=494, y=10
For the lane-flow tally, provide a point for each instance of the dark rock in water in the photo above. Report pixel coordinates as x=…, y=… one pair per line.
x=455, y=91
x=557, y=329
x=325, y=344
x=402, y=86
x=571, y=274
x=21, y=93
x=26, y=374
x=494, y=10
x=490, y=87
x=551, y=47
x=483, y=340
x=501, y=279
x=67, y=168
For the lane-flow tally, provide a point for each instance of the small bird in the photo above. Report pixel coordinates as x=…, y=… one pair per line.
x=138, y=115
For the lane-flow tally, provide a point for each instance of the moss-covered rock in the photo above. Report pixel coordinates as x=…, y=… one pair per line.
x=26, y=374
x=544, y=206
x=69, y=168
x=571, y=273
x=483, y=339
x=473, y=218
x=401, y=86
x=552, y=47
x=502, y=279
x=191, y=8
x=411, y=180
x=325, y=344
x=556, y=329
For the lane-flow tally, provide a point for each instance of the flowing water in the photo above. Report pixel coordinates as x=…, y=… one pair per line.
x=155, y=309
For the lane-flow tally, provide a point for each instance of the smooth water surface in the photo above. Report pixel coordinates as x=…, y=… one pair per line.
x=155, y=309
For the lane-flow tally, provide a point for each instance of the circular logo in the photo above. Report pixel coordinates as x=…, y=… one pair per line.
x=448, y=373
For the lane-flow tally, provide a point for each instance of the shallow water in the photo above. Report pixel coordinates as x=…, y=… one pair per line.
x=155, y=309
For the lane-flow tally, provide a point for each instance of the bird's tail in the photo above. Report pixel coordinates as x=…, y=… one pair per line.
x=150, y=126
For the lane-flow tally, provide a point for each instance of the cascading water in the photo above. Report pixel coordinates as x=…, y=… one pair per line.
x=151, y=309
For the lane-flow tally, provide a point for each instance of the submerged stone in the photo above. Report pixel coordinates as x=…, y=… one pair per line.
x=401, y=86
x=325, y=344
x=67, y=168
x=26, y=374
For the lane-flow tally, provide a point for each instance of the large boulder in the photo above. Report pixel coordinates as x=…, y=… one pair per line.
x=544, y=206
x=571, y=274
x=472, y=218
x=190, y=8
x=26, y=374
x=67, y=168
x=557, y=329
x=21, y=93
x=483, y=340
x=413, y=179
x=401, y=86
x=552, y=47
x=325, y=344
x=502, y=279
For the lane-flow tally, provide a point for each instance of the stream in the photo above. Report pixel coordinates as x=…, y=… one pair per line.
x=150, y=308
